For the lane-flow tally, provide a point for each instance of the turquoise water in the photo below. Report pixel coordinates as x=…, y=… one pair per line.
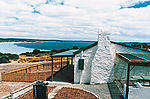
x=17, y=48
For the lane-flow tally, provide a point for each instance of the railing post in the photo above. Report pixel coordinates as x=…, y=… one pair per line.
x=24, y=76
x=33, y=91
x=26, y=70
x=2, y=76
x=67, y=62
x=16, y=77
x=29, y=77
x=127, y=83
x=52, y=70
x=38, y=76
x=48, y=66
x=43, y=66
x=29, y=69
x=61, y=64
x=37, y=67
x=71, y=60
x=45, y=76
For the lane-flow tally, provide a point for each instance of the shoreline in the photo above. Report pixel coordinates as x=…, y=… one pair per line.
x=10, y=47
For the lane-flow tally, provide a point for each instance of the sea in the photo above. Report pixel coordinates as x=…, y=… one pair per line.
x=18, y=48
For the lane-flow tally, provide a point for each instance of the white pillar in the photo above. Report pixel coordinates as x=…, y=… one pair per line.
x=102, y=64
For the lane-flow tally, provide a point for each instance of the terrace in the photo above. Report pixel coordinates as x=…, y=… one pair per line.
x=41, y=71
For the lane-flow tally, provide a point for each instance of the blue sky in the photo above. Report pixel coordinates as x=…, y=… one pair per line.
x=139, y=4
x=126, y=20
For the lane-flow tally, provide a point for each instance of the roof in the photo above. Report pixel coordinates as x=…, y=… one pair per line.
x=66, y=53
x=85, y=48
x=129, y=46
x=135, y=59
x=94, y=44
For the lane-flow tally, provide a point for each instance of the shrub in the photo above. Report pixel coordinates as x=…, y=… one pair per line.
x=1, y=54
x=62, y=50
x=4, y=59
x=54, y=50
x=13, y=56
x=75, y=47
x=36, y=51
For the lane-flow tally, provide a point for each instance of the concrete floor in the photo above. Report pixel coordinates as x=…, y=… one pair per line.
x=103, y=91
x=64, y=75
x=65, y=78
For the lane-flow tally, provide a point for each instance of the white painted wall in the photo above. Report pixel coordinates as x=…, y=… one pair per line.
x=102, y=64
x=137, y=93
x=84, y=76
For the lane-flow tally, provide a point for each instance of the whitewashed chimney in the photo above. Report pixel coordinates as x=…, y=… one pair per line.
x=102, y=64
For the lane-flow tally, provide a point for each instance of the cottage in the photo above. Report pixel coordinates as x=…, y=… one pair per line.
x=101, y=65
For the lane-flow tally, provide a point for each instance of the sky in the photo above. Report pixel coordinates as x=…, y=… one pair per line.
x=125, y=20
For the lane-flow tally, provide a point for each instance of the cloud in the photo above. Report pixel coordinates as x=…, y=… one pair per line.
x=73, y=19
x=58, y=10
x=132, y=21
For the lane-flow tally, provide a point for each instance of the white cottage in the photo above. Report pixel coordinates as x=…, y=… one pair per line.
x=100, y=61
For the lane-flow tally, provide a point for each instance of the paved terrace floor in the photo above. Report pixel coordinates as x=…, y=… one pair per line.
x=64, y=78
x=103, y=91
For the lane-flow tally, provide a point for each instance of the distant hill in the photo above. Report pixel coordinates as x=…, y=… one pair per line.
x=25, y=40
x=36, y=40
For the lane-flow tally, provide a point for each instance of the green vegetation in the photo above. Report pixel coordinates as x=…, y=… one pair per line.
x=16, y=40
x=6, y=57
x=13, y=56
x=75, y=47
x=36, y=51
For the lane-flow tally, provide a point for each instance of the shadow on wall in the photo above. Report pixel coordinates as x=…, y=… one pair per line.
x=114, y=91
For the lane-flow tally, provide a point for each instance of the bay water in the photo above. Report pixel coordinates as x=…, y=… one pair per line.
x=18, y=48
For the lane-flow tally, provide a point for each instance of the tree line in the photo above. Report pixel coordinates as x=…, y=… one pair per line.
x=6, y=57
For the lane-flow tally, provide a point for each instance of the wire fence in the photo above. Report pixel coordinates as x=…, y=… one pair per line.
x=35, y=72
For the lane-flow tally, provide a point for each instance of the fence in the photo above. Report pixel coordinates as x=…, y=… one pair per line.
x=34, y=72
x=19, y=92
